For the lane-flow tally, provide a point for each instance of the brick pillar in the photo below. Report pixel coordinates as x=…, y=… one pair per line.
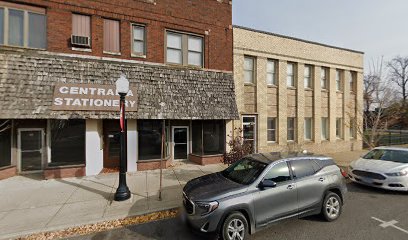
x=239, y=90
x=332, y=105
x=317, y=105
x=359, y=102
x=346, y=105
x=282, y=104
x=300, y=103
x=261, y=103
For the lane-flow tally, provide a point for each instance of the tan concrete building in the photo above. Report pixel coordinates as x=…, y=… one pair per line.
x=294, y=94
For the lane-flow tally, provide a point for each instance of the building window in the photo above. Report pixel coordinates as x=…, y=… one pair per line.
x=290, y=75
x=324, y=76
x=184, y=49
x=325, y=128
x=308, y=128
x=249, y=131
x=138, y=40
x=271, y=73
x=67, y=142
x=339, y=80
x=150, y=139
x=353, y=131
x=249, y=69
x=81, y=26
x=291, y=129
x=208, y=137
x=111, y=36
x=271, y=129
x=26, y=28
x=5, y=143
x=339, y=128
x=352, y=81
x=308, y=76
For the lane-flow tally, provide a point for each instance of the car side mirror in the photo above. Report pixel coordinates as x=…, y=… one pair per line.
x=267, y=184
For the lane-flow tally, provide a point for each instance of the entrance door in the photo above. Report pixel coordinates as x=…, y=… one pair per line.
x=180, y=143
x=111, y=140
x=249, y=130
x=30, y=145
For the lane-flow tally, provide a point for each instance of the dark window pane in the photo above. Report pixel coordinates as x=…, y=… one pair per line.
x=1, y=25
x=302, y=168
x=213, y=137
x=30, y=140
x=5, y=147
x=67, y=142
x=150, y=132
x=16, y=29
x=114, y=144
x=31, y=161
x=197, y=133
x=36, y=30
x=244, y=171
x=180, y=151
x=278, y=173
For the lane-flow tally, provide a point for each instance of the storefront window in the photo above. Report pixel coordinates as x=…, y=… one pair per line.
x=67, y=142
x=150, y=138
x=5, y=143
x=208, y=137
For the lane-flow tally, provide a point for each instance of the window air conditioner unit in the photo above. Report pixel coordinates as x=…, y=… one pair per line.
x=80, y=41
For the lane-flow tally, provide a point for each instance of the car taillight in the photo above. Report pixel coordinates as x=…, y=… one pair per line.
x=343, y=172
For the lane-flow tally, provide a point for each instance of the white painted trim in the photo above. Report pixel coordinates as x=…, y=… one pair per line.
x=255, y=130
x=48, y=141
x=19, y=148
x=172, y=140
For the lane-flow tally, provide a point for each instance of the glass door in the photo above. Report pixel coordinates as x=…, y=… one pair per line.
x=180, y=141
x=249, y=130
x=31, y=150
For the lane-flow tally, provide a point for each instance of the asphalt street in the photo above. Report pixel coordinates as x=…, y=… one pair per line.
x=368, y=214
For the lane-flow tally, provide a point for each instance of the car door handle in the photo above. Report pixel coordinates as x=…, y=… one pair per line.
x=321, y=179
x=290, y=187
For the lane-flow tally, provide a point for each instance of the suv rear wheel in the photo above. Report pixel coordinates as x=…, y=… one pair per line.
x=332, y=206
x=235, y=227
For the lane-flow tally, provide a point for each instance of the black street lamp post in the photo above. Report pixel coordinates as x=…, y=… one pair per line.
x=122, y=192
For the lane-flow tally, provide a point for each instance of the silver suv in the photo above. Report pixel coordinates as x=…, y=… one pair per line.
x=261, y=189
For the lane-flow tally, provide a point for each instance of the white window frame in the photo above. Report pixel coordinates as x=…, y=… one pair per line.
x=184, y=48
x=291, y=76
x=353, y=80
x=353, y=130
x=311, y=129
x=26, y=10
x=339, y=128
x=252, y=71
x=324, y=78
x=274, y=119
x=290, y=129
x=271, y=73
x=255, y=129
x=324, y=128
x=339, y=80
x=135, y=54
x=308, y=79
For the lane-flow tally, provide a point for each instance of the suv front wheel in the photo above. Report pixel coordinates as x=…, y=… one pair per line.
x=235, y=227
x=332, y=206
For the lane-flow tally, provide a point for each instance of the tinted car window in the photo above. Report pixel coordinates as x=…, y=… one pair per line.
x=388, y=155
x=279, y=173
x=245, y=171
x=302, y=168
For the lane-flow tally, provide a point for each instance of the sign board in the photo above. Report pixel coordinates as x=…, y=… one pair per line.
x=91, y=97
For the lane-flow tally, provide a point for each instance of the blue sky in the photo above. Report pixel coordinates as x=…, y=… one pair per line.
x=376, y=27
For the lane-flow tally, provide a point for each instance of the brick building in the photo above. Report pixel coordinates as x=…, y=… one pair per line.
x=59, y=61
x=294, y=94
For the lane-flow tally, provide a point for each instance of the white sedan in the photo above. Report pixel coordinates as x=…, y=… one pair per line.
x=382, y=167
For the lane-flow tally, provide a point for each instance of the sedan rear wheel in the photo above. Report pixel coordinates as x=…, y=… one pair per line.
x=332, y=206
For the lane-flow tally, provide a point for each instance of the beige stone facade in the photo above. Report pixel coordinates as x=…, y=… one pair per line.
x=259, y=100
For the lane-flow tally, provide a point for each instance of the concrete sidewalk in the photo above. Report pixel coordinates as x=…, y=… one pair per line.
x=29, y=205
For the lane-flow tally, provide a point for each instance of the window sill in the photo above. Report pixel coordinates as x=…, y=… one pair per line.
x=272, y=86
x=271, y=142
x=291, y=88
x=325, y=90
x=65, y=166
x=81, y=49
x=153, y=160
x=249, y=84
x=184, y=66
x=7, y=167
x=308, y=89
x=203, y=155
x=138, y=55
x=339, y=91
x=112, y=53
x=22, y=47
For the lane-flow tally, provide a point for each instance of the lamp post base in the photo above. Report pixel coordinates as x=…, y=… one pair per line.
x=122, y=194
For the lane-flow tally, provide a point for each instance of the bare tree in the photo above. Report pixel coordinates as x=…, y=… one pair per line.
x=398, y=74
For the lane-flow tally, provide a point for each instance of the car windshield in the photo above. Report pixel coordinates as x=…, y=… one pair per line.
x=388, y=155
x=244, y=171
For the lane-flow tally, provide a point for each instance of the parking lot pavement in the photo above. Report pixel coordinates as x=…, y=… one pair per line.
x=368, y=214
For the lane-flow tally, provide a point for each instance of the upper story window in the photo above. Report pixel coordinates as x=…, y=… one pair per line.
x=111, y=38
x=339, y=81
x=184, y=49
x=324, y=76
x=308, y=79
x=339, y=128
x=23, y=26
x=249, y=69
x=325, y=128
x=352, y=80
x=81, y=31
x=271, y=78
x=139, y=40
x=271, y=129
x=291, y=129
x=290, y=75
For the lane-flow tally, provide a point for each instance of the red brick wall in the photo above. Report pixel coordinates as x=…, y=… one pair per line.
x=194, y=16
x=7, y=172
